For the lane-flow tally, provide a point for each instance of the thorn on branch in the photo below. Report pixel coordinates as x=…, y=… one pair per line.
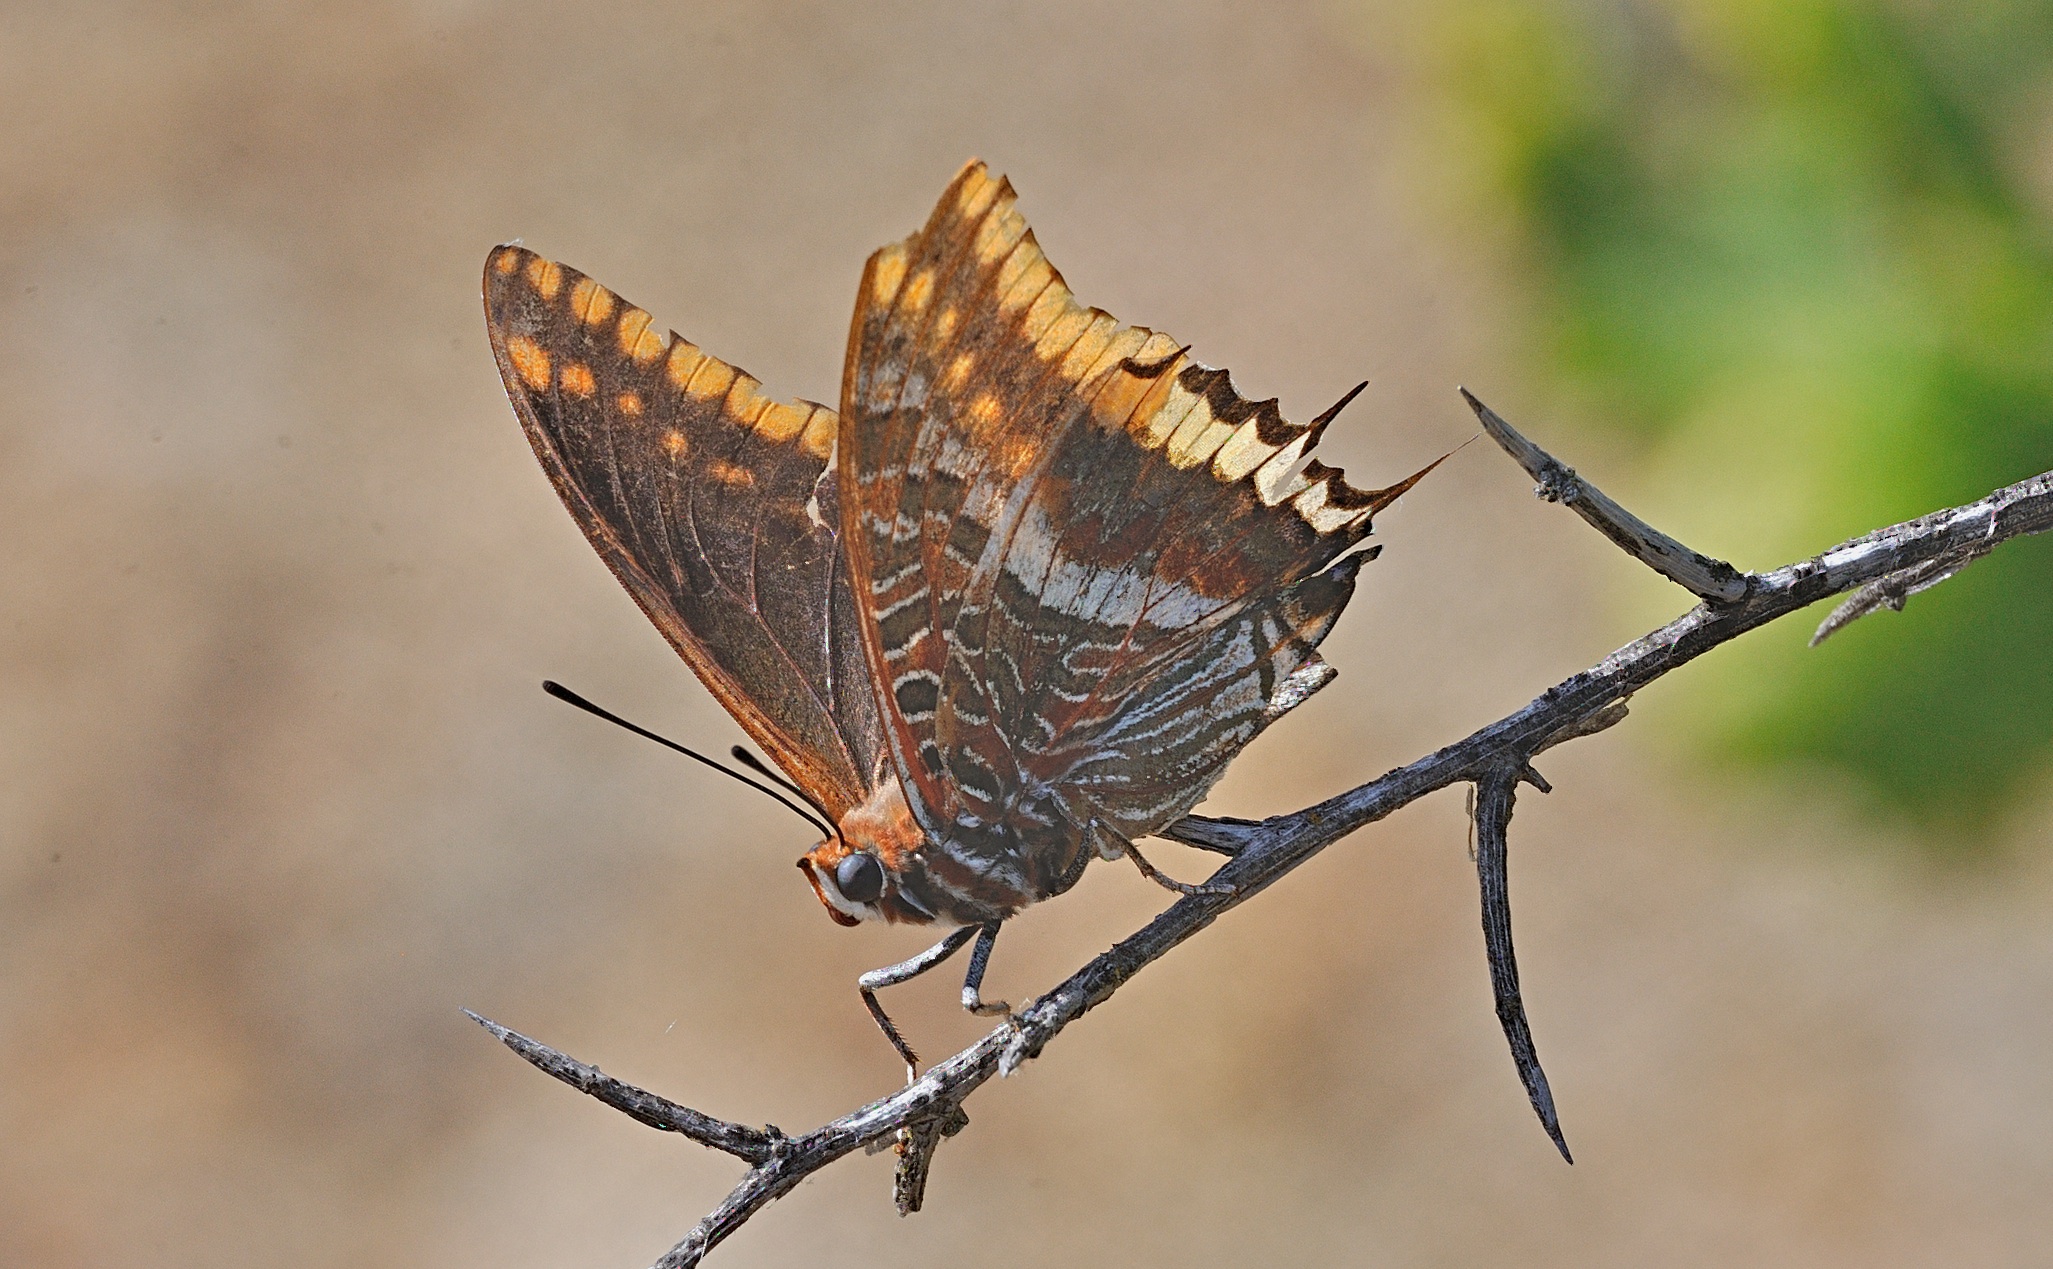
x=751, y=1145
x=1701, y=575
x=916, y=1146
x=1038, y=1023
x=1890, y=592
x=1604, y=717
x=1495, y=791
x=1222, y=835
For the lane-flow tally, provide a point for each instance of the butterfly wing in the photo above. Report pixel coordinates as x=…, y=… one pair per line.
x=1091, y=571
x=710, y=502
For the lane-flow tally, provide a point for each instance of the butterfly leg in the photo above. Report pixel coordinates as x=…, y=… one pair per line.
x=905, y=971
x=1085, y=852
x=1161, y=879
x=973, y=982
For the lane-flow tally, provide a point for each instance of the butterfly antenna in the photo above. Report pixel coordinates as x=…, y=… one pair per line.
x=747, y=758
x=563, y=693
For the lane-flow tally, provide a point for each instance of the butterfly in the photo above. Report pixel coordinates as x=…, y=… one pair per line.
x=1015, y=604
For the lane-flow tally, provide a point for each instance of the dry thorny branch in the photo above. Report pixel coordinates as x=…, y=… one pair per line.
x=1887, y=566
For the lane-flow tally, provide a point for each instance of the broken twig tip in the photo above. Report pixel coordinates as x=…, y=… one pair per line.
x=500, y=1033
x=1495, y=793
x=1701, y=575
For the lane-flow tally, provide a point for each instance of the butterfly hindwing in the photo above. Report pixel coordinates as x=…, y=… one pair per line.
x=710, y=502
x=1159, y=753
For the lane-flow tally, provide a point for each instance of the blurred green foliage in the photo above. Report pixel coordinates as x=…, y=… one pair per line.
x=1800, y=250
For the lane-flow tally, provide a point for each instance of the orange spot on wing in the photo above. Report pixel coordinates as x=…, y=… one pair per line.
x=530, y=361
x=711, y=378
x=546, y=276
x=1126, y=400
x=958, y=370
x=977, y=192
x=730, y=473
x=781, y=422
x=577, y=380
x=745, y=403
x=1025, y=274
x=674, y=444
x=818, y=438
x=1103, y=371
x=919, y=291
x=887, y=274
x=998, y=235
x=1056, y=325
x=1085, y=352
x=635, y=339
x=591, y=302
x=506, y=259
x=684, y=363
x=1018, y=453
x=630, y=404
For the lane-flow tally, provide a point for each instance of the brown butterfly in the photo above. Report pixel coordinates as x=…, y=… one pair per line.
x=1015, y=606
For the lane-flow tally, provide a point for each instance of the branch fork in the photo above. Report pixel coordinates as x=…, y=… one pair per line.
x=1882, y=569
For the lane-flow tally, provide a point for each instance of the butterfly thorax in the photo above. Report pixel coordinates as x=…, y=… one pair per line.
x=916, y=878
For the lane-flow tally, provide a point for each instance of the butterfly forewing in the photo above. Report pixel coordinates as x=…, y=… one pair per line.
x=708, y=500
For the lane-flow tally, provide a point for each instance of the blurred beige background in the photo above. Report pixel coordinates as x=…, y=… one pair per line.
x=280, y=579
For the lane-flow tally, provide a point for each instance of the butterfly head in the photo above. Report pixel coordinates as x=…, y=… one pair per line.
x=861, y=873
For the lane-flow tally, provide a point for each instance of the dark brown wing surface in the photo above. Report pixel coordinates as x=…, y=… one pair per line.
x=708, y=501
x=1092, y=571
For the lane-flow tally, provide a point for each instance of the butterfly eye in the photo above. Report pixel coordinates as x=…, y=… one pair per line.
x=860, y=878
